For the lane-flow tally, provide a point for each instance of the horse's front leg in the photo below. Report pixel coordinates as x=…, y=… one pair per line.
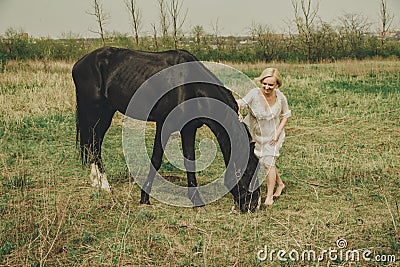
x=188, y=135
x=156, y=160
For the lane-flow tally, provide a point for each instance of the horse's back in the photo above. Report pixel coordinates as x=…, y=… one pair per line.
x=116, y=62
x=115, y=75
x=118, y=72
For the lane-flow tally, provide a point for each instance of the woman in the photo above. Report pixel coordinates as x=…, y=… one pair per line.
x=268, y=115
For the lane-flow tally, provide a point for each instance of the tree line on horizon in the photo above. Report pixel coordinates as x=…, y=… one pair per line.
x=308, y=38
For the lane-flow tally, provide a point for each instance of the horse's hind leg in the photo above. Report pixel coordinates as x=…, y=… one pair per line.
x=188, y=135
x=94, y=121
x=99, y=130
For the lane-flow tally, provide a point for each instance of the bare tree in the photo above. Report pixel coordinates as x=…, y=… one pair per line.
x=153, y=25
x=386, y=20
x=198, y=32
x=164, y=22
x=217, y=33
x=325, y=39
x=136, y=18
x=352, y=31
x=305, y=16
x=177, y=19
x=101, y=18
x=266, y=39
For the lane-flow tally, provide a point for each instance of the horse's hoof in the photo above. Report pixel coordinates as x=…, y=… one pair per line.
x=200, y=209
x=145, y=202
x=196, y=200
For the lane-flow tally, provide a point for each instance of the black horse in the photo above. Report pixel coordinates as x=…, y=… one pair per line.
x=107, y=79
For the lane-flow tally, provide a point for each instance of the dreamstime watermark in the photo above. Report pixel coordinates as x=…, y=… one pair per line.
x=340, y=254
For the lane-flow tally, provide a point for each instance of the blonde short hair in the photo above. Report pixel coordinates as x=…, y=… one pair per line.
x=270, y=72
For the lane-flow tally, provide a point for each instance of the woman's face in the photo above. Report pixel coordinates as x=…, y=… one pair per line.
x=268, y=85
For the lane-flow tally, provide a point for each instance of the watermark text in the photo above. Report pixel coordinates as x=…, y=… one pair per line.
x=340, y=253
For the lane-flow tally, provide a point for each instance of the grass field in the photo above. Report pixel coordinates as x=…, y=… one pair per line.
x=340, y=163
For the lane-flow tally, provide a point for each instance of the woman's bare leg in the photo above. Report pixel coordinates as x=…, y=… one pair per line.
x=271, y=177
x=280, y=186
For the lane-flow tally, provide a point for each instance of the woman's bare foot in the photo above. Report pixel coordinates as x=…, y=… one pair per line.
x=279, y=189
x=269, y=201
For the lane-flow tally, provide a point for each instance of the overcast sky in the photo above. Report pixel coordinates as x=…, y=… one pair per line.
x=53, y=18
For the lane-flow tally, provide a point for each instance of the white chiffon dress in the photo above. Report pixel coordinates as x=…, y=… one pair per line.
x=263, y=121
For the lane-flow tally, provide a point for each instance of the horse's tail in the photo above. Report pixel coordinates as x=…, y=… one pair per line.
x=84, y=135
x=76, y=126
x=79, y=138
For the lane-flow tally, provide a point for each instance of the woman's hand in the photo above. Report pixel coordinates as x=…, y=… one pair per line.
x=274, y=141
x=240, y=117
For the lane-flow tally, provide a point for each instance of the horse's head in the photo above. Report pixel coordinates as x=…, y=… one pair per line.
x=246, y=189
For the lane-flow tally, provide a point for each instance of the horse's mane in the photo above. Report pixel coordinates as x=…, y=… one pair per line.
x=226, y=93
